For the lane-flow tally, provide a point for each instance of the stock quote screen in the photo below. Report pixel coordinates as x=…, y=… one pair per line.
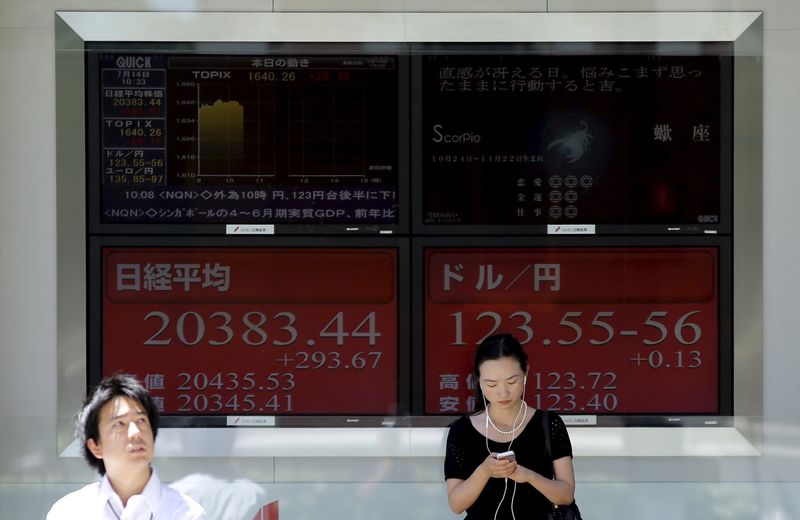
x=612, y=330
x=254, y=331
x=245, y=139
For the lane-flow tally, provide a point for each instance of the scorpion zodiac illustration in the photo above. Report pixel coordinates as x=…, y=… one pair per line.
x=573, y=145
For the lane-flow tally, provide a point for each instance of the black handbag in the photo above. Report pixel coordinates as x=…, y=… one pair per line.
x=558, y=512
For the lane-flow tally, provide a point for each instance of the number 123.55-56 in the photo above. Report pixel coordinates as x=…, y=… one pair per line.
x=656, y=327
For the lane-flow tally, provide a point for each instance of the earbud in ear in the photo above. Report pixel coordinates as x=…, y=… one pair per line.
x=525, y=380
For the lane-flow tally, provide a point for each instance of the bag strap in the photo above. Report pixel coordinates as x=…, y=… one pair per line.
x=546, y=427
x=547, y=442
x=572, y=508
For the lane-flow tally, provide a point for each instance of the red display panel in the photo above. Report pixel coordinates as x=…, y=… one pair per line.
x=254, y=331
x=607, y=330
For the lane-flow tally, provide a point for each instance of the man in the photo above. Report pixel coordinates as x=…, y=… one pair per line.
x=117, y=428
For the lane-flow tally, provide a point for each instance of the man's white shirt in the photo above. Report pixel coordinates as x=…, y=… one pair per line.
x=99, y=501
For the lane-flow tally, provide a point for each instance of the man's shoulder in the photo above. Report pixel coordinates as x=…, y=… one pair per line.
x=179, y=505
x=72, y=503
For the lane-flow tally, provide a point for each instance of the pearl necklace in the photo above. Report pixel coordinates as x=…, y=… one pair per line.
x=523, y=409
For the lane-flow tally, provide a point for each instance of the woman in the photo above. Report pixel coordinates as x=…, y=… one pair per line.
x=489, y=488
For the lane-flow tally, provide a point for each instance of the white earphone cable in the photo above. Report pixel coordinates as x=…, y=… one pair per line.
x=513, y=430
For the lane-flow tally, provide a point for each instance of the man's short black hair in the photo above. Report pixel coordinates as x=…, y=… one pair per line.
x=86, y=425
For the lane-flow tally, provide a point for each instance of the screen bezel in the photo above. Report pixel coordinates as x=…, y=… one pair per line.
x=721, y=49
x=73, y=29
x=94, y=351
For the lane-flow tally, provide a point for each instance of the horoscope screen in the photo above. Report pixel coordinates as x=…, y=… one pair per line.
x=621, y=140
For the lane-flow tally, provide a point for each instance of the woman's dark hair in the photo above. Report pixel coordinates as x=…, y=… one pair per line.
x=494, y=347
x=86, y=425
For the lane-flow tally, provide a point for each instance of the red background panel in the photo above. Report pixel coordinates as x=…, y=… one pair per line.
x=301, y=331
x=587, y=342
x=286, y=275
x=587, y=275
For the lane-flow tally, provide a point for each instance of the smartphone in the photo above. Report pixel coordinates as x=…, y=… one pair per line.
x=506, y=455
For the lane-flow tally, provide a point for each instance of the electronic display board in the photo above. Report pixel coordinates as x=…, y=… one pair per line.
x=609, y=330
x=636, y=142
x=279, y=330
x=297, y=137
x=414, y=142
